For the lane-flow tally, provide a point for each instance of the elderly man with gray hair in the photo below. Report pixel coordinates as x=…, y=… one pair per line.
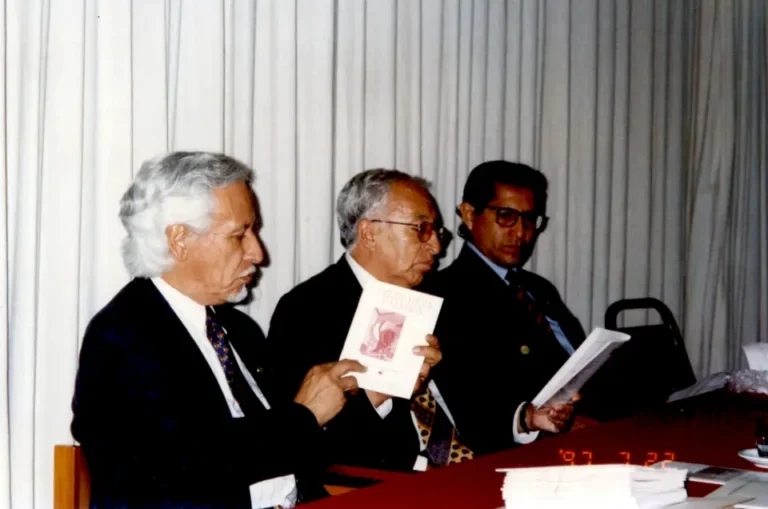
x=390, y=226
x=174, y=401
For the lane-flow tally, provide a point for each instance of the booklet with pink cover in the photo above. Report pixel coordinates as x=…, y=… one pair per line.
x=388, y=323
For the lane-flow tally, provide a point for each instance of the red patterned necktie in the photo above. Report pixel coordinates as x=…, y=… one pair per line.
x=534, y=311
x=529, y=303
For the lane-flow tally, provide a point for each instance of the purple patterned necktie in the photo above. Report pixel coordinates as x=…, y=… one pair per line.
x=246, y=398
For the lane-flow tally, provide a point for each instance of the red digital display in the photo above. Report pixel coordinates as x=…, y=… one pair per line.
x=585, y=457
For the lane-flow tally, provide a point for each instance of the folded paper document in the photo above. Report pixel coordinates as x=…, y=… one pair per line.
x=580, y=367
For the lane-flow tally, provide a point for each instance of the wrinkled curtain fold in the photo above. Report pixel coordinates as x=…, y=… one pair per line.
x=726, y=255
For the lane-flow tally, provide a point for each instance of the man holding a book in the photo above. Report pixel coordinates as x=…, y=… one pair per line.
x=504, y=331
x=173, y=403
x=389, y=224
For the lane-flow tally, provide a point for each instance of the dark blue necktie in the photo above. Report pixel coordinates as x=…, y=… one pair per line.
x=246, y=398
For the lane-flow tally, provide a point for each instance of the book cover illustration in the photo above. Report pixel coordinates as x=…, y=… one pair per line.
x=383, y=335
x=388, y=323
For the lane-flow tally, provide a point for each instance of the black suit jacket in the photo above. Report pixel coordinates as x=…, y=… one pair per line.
x=309, y=327
x=152, y=420
x=483, y=333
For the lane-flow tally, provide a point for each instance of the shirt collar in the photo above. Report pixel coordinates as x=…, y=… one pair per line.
x=362, y=275
x=182, y=305
x=498, y=269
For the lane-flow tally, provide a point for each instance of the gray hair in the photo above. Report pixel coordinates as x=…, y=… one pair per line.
x=175, y=188
x=364, y=194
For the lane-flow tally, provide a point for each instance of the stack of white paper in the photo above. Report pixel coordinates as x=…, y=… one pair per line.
x=593, y=486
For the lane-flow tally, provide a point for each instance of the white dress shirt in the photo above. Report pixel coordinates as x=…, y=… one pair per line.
x=280, y=491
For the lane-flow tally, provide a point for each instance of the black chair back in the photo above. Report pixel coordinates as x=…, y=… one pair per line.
x=645, y=371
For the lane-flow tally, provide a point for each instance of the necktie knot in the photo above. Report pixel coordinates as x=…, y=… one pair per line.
x=516, y=286
x=513, y=277
x=210, y=321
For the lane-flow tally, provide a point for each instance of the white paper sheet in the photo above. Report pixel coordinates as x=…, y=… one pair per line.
x=751, y=484
x=580, y=367
x=757, y=356
x=710, y=502
x=708, y=474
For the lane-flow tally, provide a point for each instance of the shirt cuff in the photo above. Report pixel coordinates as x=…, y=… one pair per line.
x=521, y=438
x=384, y=409
x=421, y=464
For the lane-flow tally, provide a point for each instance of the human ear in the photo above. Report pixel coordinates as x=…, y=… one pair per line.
x=177, y=235
x=366, y=234
x=467, y=213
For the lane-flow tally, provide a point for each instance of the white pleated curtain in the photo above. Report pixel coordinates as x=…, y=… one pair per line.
x=726, y=216
x=596, y=93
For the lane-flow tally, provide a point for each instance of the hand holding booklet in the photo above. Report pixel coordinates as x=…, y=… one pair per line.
x=389, y=322
x=580, y=367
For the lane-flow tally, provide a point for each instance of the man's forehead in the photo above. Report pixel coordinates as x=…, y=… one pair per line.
x=513, y=196
x=234, y=205
x=412, y=200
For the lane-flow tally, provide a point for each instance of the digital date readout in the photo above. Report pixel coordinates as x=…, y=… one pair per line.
x=586, y=457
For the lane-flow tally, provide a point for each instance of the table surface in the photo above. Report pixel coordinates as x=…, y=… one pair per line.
x=708, y=429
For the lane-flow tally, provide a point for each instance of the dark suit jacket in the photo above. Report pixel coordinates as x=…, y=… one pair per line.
x=309, y=327
x=484, y=375
x=152, y=420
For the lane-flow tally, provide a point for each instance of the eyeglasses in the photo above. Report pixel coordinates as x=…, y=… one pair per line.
x=424, y=229
x=507, y=216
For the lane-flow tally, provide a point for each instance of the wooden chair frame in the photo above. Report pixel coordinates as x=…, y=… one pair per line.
x=71, y=481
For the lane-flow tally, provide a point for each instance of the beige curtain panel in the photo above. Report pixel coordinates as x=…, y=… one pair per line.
x=648, y=116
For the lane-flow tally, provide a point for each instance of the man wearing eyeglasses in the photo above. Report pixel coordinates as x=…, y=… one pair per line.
x=389, y=224
x=504, y=330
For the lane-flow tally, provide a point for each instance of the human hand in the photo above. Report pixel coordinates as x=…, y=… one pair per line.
x=553, y=419
x=432, y=356
x=323, y=388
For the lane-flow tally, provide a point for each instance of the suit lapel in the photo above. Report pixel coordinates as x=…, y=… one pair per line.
x=479, y=271
x=250, y=345
x=554, y=308
x=171, y=337
x=496, y=294
x=346, y=293
x=351, y=291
